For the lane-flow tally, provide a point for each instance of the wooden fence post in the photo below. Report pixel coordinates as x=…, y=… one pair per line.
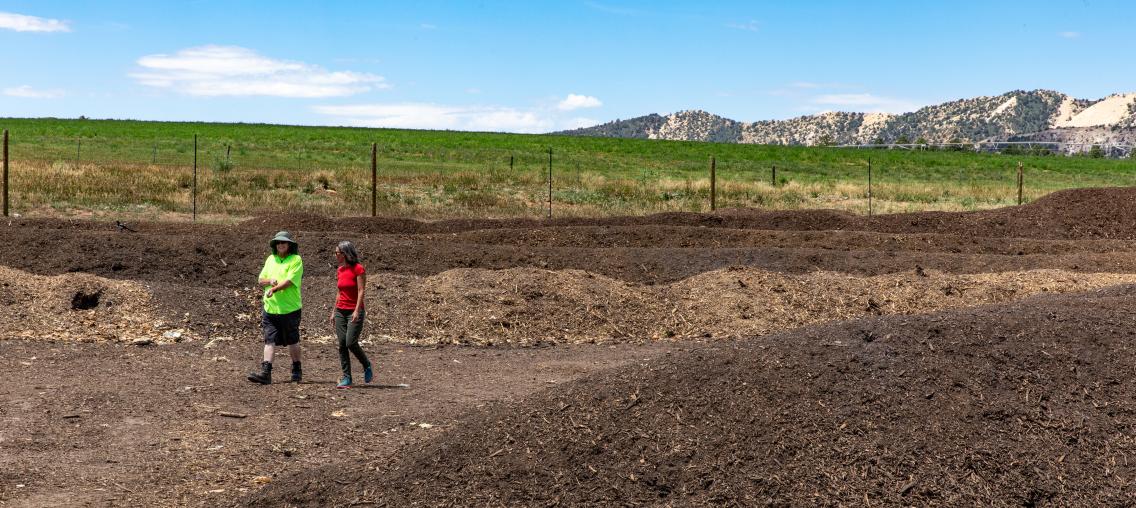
x=195, y=178
x=1019, y=183
x=713, y=184
x=5, y=172
x=773, y=176
x=374, y=179
x=550, y=182
x=869, y=186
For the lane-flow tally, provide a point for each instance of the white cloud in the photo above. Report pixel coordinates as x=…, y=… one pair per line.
x=748, y=26
x=236, y=71
x=413, y=115
x=428, y=26
x=22, y=23
x=574, y=101
x=865, y=102
x=28, y=92
x=1069, y=35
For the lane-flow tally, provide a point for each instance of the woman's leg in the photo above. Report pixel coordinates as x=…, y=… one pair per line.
x=341, y=334
x=354, y=330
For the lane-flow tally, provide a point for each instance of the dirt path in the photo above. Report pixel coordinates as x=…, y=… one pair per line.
x=103, y=424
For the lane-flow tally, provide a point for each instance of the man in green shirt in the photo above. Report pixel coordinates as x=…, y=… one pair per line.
x=280, y=277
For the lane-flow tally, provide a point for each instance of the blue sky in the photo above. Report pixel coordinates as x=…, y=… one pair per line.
x=540, y=66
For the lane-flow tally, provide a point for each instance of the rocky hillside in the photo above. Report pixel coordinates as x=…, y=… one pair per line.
x=1018, y=115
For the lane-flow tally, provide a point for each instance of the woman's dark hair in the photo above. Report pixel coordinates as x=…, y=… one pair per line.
x=292, y=247
x=349, y=253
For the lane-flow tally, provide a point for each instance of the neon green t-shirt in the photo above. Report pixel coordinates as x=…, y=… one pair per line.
x=287, y=268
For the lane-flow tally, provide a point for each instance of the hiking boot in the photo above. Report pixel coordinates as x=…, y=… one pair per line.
x=297, y=372
x=344, y=383
x=263, y=377
x=368, y=374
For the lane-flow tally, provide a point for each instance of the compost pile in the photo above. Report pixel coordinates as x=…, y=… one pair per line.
x=1025, y=404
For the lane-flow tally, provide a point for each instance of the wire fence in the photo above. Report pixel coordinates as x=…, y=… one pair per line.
x=228, y=177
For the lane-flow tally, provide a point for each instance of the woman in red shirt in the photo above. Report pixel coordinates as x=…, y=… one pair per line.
x=350, y=313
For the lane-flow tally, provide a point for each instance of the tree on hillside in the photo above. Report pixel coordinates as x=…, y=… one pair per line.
x=903, y=140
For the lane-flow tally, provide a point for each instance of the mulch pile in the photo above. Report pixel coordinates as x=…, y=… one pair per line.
x=1026, y=404
x=526, y=306
x=78, y=307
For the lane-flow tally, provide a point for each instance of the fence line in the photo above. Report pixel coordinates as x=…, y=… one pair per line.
x=656, y=184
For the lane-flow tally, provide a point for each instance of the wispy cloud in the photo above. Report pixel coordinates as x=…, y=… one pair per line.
x=748, y=26
x=428, y=26
x=22, y=23
x=865, y=102
x=574, y=101
x=414, y=115
x=1069, y=35
x=28, y=92
x=237, y=71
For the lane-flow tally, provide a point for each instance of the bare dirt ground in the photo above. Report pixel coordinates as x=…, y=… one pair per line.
x=810, y=357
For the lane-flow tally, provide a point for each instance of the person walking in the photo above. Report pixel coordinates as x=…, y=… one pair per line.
x=350, y=312
x=280, y=318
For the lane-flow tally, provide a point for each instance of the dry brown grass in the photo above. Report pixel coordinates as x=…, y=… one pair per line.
x=429, y=192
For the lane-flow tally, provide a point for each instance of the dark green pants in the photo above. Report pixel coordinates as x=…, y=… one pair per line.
x=347, y=332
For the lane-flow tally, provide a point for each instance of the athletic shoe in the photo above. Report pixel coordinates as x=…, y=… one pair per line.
x=368, y=374
x=344, y=383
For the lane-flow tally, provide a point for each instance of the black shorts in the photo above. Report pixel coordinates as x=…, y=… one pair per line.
x=281, y=329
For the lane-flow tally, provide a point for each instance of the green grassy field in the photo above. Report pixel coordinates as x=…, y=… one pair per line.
x=131, y=168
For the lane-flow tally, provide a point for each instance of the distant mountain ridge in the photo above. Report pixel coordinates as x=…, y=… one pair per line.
x=1041, y=115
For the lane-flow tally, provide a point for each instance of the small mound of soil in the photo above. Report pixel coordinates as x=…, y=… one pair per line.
x=76, y=306
x=1026, y=404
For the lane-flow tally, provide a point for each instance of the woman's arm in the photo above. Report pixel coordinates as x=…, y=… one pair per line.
x=361, y=282
x=280, y=287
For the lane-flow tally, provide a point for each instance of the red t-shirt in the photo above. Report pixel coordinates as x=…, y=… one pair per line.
x=348, y=286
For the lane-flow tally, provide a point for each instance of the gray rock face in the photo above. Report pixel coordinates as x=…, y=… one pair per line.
x=1016, y=115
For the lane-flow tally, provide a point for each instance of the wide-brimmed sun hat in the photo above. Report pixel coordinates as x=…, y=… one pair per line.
x=283, y=236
